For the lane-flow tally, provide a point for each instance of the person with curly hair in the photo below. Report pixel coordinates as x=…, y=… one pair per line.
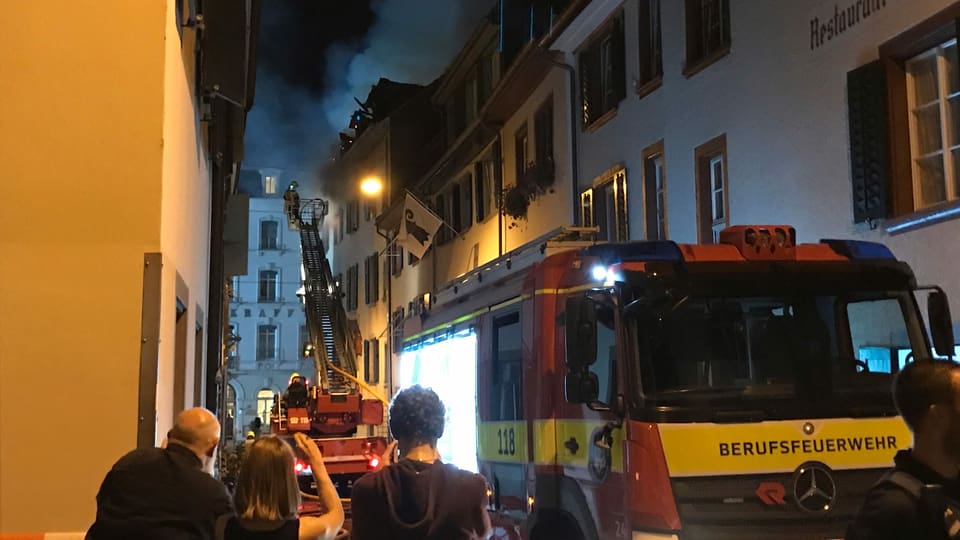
x=416, y=496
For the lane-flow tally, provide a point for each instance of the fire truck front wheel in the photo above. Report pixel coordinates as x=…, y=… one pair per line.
x=556, y=526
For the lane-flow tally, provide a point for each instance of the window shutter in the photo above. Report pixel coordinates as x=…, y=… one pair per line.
x=366, y=360
x=590, y=88
x=869, y=146
x=482, y=183
x=366, y=280
x=619, y=61
x=374, y=361
x=374, y=278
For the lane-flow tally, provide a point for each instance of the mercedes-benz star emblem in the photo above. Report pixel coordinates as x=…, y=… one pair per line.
x=814, y=487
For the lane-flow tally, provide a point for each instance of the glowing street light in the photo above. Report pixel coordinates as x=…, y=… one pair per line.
x=371, y=186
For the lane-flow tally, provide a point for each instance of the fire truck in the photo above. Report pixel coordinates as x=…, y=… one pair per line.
x=656, y=390
x=331, y=410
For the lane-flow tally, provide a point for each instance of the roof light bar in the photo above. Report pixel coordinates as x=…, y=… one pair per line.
x=859, y=249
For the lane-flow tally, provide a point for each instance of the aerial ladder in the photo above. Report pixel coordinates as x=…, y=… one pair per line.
x=331, y=410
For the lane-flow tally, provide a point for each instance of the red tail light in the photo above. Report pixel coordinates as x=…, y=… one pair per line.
x=373, y=463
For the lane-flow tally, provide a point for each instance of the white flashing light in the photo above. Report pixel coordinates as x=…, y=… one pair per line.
x=599, y=273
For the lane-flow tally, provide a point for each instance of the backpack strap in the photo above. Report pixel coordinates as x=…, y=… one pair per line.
x=905, y=481
x=220, y=528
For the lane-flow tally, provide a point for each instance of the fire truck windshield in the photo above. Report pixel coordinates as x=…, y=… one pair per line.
x=796, y=353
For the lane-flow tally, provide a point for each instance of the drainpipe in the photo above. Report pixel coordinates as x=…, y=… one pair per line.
x=574, y=154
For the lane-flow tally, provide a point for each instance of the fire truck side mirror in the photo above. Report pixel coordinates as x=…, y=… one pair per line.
x=581, y=333
x=580, y=384
x=941, y=324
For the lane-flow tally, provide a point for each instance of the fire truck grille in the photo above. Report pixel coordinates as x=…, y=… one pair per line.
x=750, y=507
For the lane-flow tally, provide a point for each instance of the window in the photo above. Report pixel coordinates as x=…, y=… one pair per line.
x=904, y=124
x=506, y=399
x=443, y=205
x=371, y=361
x=466, y=202
x=456, y=113
x=304, y=335
x=268, y=286
x=397, y=325
x=486, y=181
x=876, y=323
x=235, y=289
x=654, y=193
x=371, y=282
x=270, y=185
x=712, y=191
x=395, y=256
x=264, y=405
x=604, y=366
x=708, y=32
x=520, y=151
x=369, y=209
x=605, y=206
x=470, y=99
x=602, y=72
x=353, y=286
x=269, y=234
x=341, y=225
x=353, y=216
x=543, y=142
x=651, y=50
x=266, y=342
x=933, y=102
x=488, y=73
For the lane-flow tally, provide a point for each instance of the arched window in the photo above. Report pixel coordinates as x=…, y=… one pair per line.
x=230, y=405
x=264, y=404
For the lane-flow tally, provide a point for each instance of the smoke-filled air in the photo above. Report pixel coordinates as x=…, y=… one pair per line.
x=303, y=102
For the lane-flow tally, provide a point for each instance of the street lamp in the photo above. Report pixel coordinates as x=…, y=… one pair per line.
x=371, y=185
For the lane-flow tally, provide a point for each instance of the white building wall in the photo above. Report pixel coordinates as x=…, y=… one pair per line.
x=554, y=208
x=248, y=375
x=355, y=246
x=782, y=105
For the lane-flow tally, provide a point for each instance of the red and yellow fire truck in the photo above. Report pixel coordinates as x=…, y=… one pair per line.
x=655, y=390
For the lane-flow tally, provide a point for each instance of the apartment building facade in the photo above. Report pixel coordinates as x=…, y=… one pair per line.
x=834, y=117
x=266, y=317
x=391, y=140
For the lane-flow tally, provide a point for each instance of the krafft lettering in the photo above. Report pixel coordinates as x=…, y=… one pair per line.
x=807, y=446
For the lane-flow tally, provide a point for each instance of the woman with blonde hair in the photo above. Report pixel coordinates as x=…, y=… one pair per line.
x=267, y=495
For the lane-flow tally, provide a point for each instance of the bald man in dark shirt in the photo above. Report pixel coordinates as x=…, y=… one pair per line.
x=168, y=493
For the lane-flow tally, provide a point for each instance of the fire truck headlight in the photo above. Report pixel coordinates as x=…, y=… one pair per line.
x=599, y=272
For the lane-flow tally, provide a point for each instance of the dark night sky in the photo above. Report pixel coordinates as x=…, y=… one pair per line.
x=315, y=56
x=295, y=35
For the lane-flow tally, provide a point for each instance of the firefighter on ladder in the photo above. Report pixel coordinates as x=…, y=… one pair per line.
x=291, y=203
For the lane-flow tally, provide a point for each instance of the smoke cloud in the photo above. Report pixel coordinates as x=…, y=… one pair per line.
x=411, y=41
x=297, y=113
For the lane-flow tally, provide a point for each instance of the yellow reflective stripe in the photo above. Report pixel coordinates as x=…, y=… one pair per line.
x=582, y=432
x=508, y=303
x=501, y=305
x=781, y=446
x=568, y=290
x=545, y=442
x=458, y=320
x=502, y=441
